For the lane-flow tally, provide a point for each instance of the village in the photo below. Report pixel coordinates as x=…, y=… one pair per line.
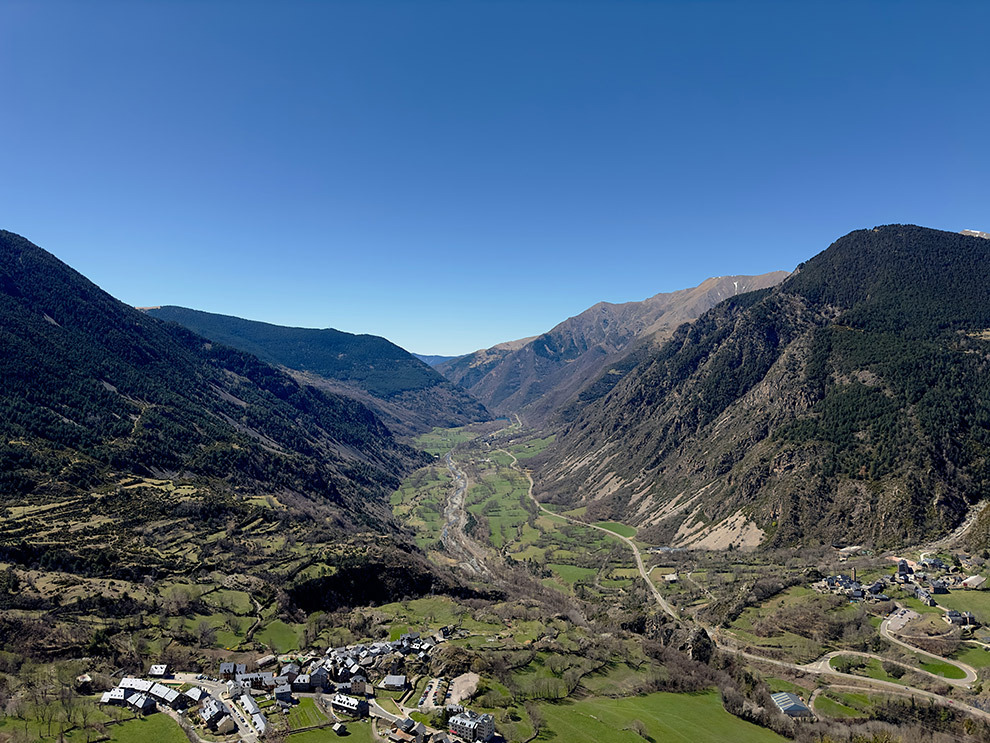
x=923, y=580
x=246, y=701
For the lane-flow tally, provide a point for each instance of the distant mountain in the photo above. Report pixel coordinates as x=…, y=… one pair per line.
x=95, y=392
x=433, y=360
x=407, y=394
x=851, y=403
x=535, y=376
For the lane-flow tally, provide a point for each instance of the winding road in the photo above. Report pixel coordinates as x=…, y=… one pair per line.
x=664, y=604
x=456, y=518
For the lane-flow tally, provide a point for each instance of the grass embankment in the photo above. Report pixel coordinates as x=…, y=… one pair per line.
x=158, y=727
x=693, y=718
x=623, y=530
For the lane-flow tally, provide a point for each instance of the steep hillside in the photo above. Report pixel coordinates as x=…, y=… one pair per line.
x=851, y=403
x=407, y=393
x=535, y=376
x=95, y=393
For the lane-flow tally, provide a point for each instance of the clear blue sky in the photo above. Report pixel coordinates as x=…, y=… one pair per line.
x=455, y=174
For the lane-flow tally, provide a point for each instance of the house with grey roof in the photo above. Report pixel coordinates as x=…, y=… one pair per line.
x=141, y=703
x=117, y=695
x=260, y=723
x=195, y=694
x=249, y=705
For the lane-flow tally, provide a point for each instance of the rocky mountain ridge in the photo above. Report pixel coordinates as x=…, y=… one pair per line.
x=534, y=377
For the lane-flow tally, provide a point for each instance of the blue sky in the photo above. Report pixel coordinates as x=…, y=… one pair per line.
x=454, y=174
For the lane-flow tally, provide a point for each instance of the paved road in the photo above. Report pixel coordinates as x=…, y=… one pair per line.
x=818, y=667
x=970, y=672
x=216, y=690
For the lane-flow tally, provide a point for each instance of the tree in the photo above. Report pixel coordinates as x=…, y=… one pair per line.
x=206, y=633
x=638, y=727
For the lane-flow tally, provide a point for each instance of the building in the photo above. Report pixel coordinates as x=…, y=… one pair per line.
x=283, y=693
x=260, y=723
x=213, y=711
x=350, y=705
x=249, y=705
x=302, y=683
x=290, y=670
x=226, y=725
x=114, y=696
x=141, y=703
x=394, y=682
x=470, y=725
x=195, y=694
x=974, y=581
x=159, y=671
x=791, y=704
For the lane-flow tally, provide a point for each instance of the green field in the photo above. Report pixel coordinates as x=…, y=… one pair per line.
x=441, y=440
x=571, y=573
x=977, y=657
x=279, y=636
x=871, y=668
x=305, y=714
x=692, y=718
x=420, y=500
x=159, y=728
x=357, y=732
x=531, y=448
x=977, y=602
x=831, y=708
x=945, y=670
x=622, y=530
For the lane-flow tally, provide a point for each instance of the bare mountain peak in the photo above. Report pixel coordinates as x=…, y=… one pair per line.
x=536, y=376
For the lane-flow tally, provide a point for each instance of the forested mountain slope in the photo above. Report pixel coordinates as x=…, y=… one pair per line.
x=851, y=403
x=534, y=377
x=407, y=393
x=95, y=392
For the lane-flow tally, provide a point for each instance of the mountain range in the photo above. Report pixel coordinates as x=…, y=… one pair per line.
x=96, y=393
x=406, y=393
x=534, y=377
x=850, y=403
